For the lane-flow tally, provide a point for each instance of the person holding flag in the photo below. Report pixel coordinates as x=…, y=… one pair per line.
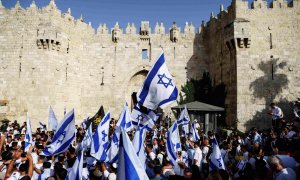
x=216, y=159
x=28, y=136
x=63, y=137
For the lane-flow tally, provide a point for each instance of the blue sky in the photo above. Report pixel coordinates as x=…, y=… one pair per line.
x=124, y=11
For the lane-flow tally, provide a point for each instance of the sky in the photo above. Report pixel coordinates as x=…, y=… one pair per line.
x=124, y=11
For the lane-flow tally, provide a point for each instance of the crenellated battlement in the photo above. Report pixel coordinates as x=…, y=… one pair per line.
x=51, y=10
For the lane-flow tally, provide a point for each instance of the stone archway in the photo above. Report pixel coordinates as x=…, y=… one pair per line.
x=134, y=84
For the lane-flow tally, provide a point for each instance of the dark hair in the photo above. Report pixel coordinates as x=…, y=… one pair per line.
x=62, y=173
x=157, y=169
x=46, y=164
x=71, y=150
x=23, y=167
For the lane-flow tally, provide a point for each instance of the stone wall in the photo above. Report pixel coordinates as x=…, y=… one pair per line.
x=260, y=60
x=50, y=58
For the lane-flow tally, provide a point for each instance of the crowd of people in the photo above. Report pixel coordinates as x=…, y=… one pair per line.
x=258, y=154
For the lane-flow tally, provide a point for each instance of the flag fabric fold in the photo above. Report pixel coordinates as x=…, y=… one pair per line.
x=138, y=144
x=173, y=145
x=63, y=137
x=76, y=172
x=100, y=142
x=87, y=139
x=194, y=132
x=216, y=159
x=28, y=136
x=142, y=119
x=124, y=121
x=159, y=89
x=184, y=117
x=129, y=165
x=52, y=120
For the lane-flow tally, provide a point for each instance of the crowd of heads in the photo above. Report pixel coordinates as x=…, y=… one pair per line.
x=256, y=154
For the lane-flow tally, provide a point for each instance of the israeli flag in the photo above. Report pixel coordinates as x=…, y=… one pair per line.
x=140, y=119
x=194, y=132
x=42, y=126
x=216, y=160
x=138, y=144
x=184, y=117
x=124, y=121
x=87, y=139
x=28, y=136
x=113, y=148
x=63, y=137
x=158, y=89
x=100, y=139
x=129, y=165
x=83, y=124
x=76, y=172
x=173, y=145
x=52, y=121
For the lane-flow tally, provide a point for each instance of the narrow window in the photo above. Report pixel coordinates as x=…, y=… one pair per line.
x=145, y=55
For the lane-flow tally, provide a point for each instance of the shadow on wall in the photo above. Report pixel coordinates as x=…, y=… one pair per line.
x=267, y=87
x=195, y=65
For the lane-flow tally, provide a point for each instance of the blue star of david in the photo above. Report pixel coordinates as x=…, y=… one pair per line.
x=161, y=81
x=104, y=135
x=62, y=134
x=140, y=117
x=219, y=161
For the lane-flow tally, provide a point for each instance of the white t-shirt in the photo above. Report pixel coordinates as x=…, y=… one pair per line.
x=205, y=151
x=285, y=174
x=35, y=174
x=198, y=157
x=152, y=155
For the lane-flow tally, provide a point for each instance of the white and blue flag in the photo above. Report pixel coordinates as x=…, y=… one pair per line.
x=83, y=124
x=52, y=121
x=141, y=119
x=76, y=172
x=28, y=135
x=100, y=139
x=184, y=117
x=138, y=144
x=216, y=159
x=129, y=165
x=42, y=126
x=124, y=121
x=194, y=132
x=173, y=145
x=63, y=137
x=87, y=139
x=158, y=89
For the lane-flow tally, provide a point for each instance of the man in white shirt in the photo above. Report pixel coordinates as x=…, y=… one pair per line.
x=279, y=171
x=198, y=155
x=277, y=115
